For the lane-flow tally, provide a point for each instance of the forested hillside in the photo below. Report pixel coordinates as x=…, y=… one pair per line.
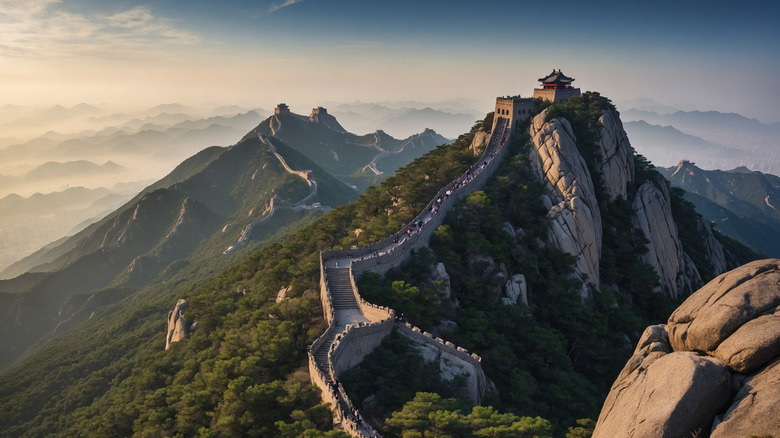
x=243, y=372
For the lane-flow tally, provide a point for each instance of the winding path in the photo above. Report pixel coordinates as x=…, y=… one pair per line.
x=356, y=327
x=275, y=204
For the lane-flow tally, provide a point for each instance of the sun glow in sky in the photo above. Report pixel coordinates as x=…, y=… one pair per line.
x=691, y=54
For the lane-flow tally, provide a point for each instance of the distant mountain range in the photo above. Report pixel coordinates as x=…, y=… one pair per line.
x=404, y=121
x=233, y=197
x=27, y=224
x=357, y=160
x=711, y=138
x=743, y=204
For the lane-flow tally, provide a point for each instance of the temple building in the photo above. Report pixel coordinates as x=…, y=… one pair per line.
x=556, y=87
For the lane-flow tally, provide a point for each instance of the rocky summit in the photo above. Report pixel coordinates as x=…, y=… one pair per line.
x=712, y=369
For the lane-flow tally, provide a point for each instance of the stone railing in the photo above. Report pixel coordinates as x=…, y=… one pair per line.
x=325, y=298
x=371, y=311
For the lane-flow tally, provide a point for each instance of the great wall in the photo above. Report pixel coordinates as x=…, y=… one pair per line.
x=275, y=204
x=356, y=327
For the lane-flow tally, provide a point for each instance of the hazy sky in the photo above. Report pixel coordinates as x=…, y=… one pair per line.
x=694, y=54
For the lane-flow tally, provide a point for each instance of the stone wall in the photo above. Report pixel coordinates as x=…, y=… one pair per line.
x=356, y=341
x=325, y=298
x=385, y=261
x=470, y=363
x=352, y=345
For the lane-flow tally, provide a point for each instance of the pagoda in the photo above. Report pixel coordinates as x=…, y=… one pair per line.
x=556, y=87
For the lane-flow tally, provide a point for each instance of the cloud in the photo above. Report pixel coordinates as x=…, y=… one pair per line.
x=275, y=8
x=40, y=29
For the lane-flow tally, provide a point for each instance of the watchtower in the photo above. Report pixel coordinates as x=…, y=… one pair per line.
x=319, y=110
x=515, y=109
x=282, y=108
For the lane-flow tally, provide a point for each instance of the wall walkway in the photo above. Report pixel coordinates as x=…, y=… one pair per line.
x=275, y=204
x=355, y=326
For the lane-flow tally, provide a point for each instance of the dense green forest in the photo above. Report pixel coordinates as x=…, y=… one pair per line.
x=557, y=357
x=243, y=372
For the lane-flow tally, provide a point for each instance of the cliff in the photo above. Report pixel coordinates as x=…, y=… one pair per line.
x=577, y=191
x=574, y=216
x=677, y=274
x=713, y=368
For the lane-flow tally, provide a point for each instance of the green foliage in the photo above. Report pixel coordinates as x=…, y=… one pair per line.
x=243, y=371
x=584, y=429
x=430, y=415
x=487, y=123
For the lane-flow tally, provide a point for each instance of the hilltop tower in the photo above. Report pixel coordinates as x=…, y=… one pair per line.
x=320, y=115
x=282, y=108
x=556, y=87
x=514, y=110
x=317, y=111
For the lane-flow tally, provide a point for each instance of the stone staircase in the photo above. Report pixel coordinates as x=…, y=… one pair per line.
x=343, y=298
x=321, y=357
x=341, y=289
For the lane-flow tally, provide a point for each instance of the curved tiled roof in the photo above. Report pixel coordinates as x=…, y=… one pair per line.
x=556, y=77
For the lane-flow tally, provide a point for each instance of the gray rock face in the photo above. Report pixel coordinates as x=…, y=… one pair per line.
x=702, y=386
x=574, y=217
x=483, y=264
x=653, y=216
x=734, y=317
x=481, y=138
x=714, y=367
x=754, y=410
x=715, y=253
x=516, y=290
x=617, y=155
x=282, y=294
x=178, y=328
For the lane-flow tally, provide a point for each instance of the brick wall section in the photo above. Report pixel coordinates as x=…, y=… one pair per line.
x=351, y=346
x=448, y=348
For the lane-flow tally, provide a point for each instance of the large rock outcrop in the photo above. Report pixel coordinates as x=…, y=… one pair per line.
x=481, y=139
x=653, y=216
x=714, y=368
x=178, y=328
x=617, y=156
x=574, y=216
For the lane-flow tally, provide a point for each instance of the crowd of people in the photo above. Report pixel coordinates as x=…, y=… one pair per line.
x=418, y=224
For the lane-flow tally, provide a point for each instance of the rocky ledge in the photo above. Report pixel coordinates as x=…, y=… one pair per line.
x=712, y=370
